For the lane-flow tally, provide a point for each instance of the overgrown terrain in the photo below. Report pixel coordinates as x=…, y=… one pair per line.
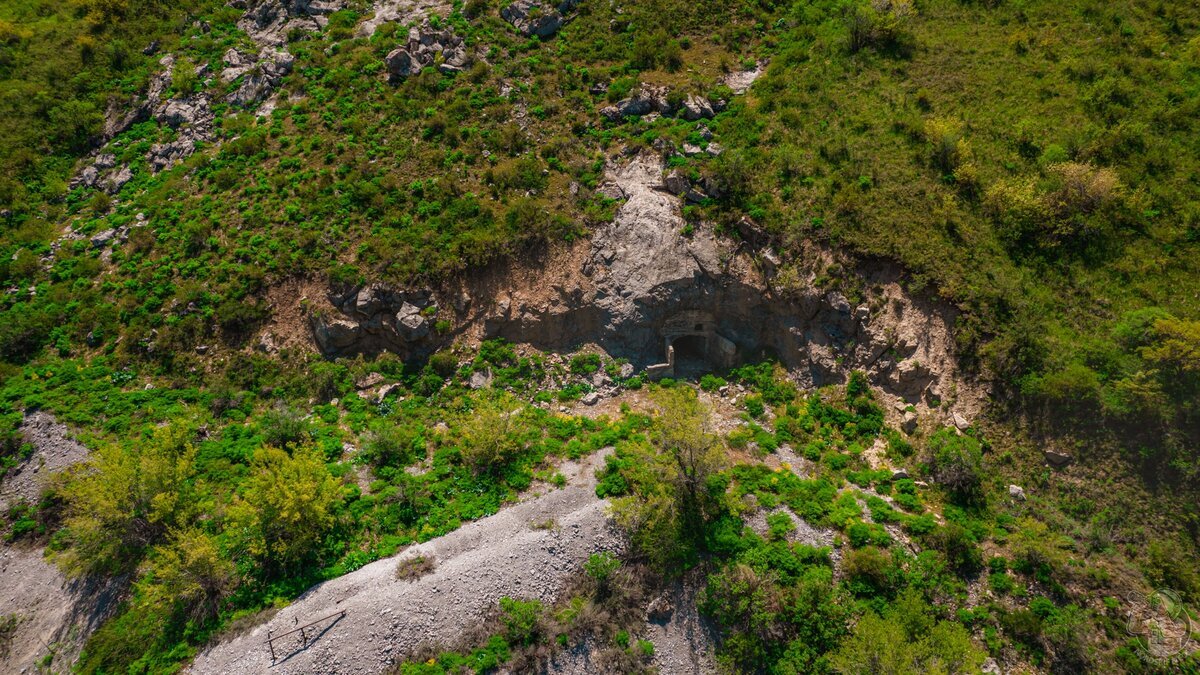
x=1030, y=163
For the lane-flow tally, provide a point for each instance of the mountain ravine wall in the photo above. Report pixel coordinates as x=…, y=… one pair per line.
x=640, y=286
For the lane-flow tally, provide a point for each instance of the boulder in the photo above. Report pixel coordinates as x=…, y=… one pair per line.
x=910, y=377
x=410, y=324
x=102, y=238
x=590, y=398
x=1057, y=458
x=960, y=422
x=532, y=17
x=370, y=380
x=696, y=108
x=424, y=47
x=335, y=334
x=1016, y=492
x=262, y=75
x=659, y=610
x=909, y=422
x=899, y=474
x=480, y=379
x=676, y=183
x=400, y=63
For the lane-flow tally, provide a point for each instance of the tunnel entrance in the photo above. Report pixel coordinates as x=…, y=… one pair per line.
x=691, y=356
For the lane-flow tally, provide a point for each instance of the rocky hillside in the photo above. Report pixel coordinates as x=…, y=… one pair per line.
x=585, y=336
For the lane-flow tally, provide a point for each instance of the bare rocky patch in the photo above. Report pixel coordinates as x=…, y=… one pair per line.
x=675, y=300
x=52, y=616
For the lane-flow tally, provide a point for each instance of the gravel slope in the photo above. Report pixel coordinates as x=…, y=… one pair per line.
x=54, y=450
x=53, y=613
x=476, y=565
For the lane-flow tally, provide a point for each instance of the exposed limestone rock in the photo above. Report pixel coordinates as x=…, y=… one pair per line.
x=376, y=318
x=268, y=22
x=650, y=100
x=646, y=100
x=740, y=81
x=643, y=291
x=103, y=174
x=425, y=47
x=533, y=17
x=481, y=379
x=403, y=12
x=676, y=183
x=695, y=108
x=262, y=72
x=1057, y=458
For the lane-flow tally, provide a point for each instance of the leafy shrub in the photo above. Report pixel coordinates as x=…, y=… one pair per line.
x=955, y=461
x=521, y=619
x=710, y=383
x=585, y=364
x=283, y=425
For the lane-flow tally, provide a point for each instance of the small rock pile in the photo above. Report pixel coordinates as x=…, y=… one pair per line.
x=263, y=74
x=650, y=99
x=268, y=22
x=425, y=44
x=533, y=17
x=376, y=317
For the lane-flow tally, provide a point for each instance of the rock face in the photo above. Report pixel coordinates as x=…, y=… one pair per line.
x=406, y=12
x=268, y=22
x=262, y=74
x=375, y=318
x=649, y=99
x=642, y=290
x=533, y=17
x=192, y=118
x=424, y=47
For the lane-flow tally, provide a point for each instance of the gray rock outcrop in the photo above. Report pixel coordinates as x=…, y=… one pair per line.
x=261, y=74
x=534, y=17
x=268, y=22
x=650, y=100
x=374, y=318
x=427, y=46
x=642, y=289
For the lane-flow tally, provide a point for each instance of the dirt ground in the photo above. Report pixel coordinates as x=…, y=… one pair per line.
x=54, y=615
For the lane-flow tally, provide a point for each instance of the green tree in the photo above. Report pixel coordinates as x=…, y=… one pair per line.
x=188, y=576
x=126, y=499
x=672, y=499
x=285, y=508
x=955, y=461
x=492, y=432
x=905, y=641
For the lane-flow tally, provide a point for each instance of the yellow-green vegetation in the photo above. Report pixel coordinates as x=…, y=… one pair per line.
x=222, y=502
